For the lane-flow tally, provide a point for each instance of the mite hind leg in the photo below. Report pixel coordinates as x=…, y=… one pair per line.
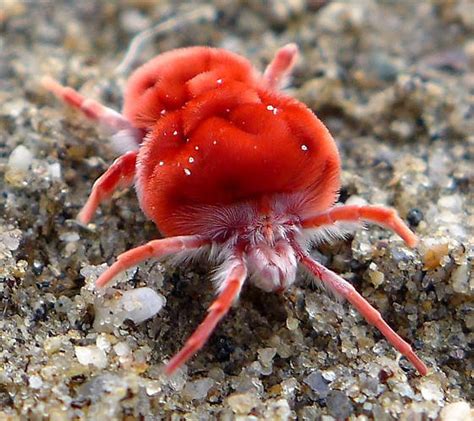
x=280, y=67
x=120, y=174
x=344, y=289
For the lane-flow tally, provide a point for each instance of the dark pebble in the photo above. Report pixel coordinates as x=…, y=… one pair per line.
x=317, y=384
x=339, y=405
x=414, y=217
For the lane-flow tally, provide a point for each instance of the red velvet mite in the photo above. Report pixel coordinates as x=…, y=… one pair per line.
x=223, y=161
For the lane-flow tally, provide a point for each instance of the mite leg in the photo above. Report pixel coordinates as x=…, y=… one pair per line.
x=120, y=174
x=376, y=214
x=229, y=291
x=281, y=66
x=156, y=249
x=346, y=290
x=126, y=137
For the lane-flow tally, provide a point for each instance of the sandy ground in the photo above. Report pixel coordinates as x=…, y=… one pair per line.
x=394, y=83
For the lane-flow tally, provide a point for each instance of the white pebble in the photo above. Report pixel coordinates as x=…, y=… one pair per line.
x=356, y=200
x=265, y=355
x=460, y=411
x=153, y=387
x=122, y=349
x=198, y=389
x=242, y=403
x=35, y=382
x=20, y=159
x=141, y=304
x=91, y=355
x=431, y=390
x=10, y=239
x=55, y=170
x=69, y=237
x=461, y=281
x=103, y=343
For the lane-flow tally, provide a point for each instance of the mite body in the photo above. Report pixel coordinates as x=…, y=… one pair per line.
x=223, y=161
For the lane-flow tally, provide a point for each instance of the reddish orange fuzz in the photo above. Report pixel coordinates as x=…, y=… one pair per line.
x=223, y=160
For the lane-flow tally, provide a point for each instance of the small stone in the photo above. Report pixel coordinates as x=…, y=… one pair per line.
x=329, y=375
x=69, y=237
x=383, y=67
x=242, y=403
x=414, y=217
x=292, y=323
x=460, y=279
x=122, y=349
x=54, y=344
x=108, y=384
x=317, y=384
x=10, y=239
x=431, y=390
x=178, y=380
x=339, y=16
x=434, y=255
x=339, y=405
x=103, y=343
x=138, y=305
x=278, y=410
x=459, y=411
x=153, y=387
x=198, y=389
x=266, y=355
x=55, y=170
x=20, y=159
x=356, y=200
x=376, y=277
x=289, y=388
x=141, y=304
x=35, y=382
x=91, y=355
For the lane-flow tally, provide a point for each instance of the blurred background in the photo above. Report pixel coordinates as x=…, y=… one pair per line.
x=392, y=80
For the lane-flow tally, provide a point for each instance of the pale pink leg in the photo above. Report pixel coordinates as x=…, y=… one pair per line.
x=127, y=137
x=120, y=174
x=281, y=66
x=228, y=293
x=347, y=291
x=352, y=213
x=156, y=249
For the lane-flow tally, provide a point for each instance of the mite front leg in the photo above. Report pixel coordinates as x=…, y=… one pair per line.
x=156, y=249
x=353, y=213
x=126, y=137
x=344, y=289
x=120, y=174
x=281, y=66
x=229, y=291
